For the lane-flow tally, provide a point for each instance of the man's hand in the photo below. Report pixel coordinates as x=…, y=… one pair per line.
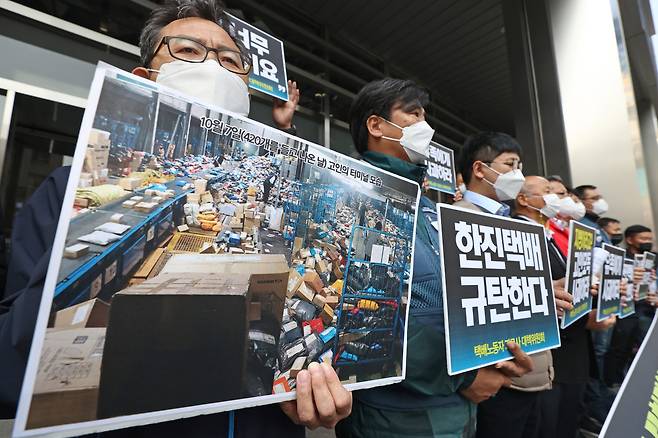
x=487, y=383
x=638, y=275
x=563, y=299
x=592, y=324
x=321, y=398
x=283, y=111
x=517, y=367
x=594, y=289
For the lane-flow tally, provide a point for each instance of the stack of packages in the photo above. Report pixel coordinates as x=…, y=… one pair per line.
x=308, y=331
x=96, y=159
x=235, y=224
x=70, y=366
x=150, y=200
x=185, y=166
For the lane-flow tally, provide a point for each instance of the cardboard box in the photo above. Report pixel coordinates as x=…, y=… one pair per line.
x=305, y=293
x=193, y=198
x=66, y=386
x=297, y=245
x=327, y=314
x=321, y=266
x=129, y=183
x=75, y=251
x=313, y=280
x=332, y=301
x=175, y=340
x=268, y=275
x=319, y=301
x=81, y=202
x=92, y=313
x=99, y=137
x=206, y=197
x=295, y=280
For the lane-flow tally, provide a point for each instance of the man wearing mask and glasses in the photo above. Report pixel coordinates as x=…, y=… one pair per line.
x=189, y=46
x=387, y=122
x=491, y=168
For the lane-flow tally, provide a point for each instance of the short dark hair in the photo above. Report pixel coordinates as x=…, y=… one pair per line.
x=580, y=190
x=172, y=10
x=558, y=178
x=605, y=221
x=485, y=146
x=378, y=98
x=635, y=229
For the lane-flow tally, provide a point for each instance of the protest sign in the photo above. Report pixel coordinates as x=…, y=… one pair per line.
x=579, y=271
x=643, y=285
x=497, y=288
x=629, y=307
x=441, y=169
x=608, y=297
x=231, y=260
x=634, y=413
x=268, y=70
x=649, y=265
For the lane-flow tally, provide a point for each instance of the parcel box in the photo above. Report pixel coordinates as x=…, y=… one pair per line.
x=175, y=340
x=92, y=313
x=269, y=275
x=66, y=386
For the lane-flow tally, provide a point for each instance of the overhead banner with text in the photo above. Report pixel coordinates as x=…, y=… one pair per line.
x=497, y=288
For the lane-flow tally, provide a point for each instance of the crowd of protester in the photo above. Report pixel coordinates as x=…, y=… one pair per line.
x=558, y=393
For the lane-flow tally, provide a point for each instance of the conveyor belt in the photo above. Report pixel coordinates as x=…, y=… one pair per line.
x=102, y=271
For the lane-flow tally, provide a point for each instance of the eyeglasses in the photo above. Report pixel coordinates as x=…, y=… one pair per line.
x=512, y=164
x=189, y=50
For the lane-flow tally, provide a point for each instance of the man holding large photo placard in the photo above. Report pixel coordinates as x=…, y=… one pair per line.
x=189, y=46
x=389, y=130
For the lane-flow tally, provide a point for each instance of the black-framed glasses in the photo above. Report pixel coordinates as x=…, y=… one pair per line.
x=189, y=50
x=512, y=164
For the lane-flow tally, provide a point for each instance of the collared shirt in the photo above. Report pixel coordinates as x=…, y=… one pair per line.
x=489, y=205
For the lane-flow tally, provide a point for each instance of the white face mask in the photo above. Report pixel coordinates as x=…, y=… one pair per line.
x=507, y=185
x=207, y=81
x=600, y=207
x=552, y=207
x=415, y=140
x=569, y=207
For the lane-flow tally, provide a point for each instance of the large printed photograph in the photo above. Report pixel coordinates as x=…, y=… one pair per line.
x=204, y=258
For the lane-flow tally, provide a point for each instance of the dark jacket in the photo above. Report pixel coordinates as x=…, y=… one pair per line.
x=427, y=385
x=32, y=239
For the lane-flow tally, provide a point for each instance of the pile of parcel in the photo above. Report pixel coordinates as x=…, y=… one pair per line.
x=224, y=294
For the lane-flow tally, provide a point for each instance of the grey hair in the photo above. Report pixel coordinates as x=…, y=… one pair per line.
x=172, y=10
